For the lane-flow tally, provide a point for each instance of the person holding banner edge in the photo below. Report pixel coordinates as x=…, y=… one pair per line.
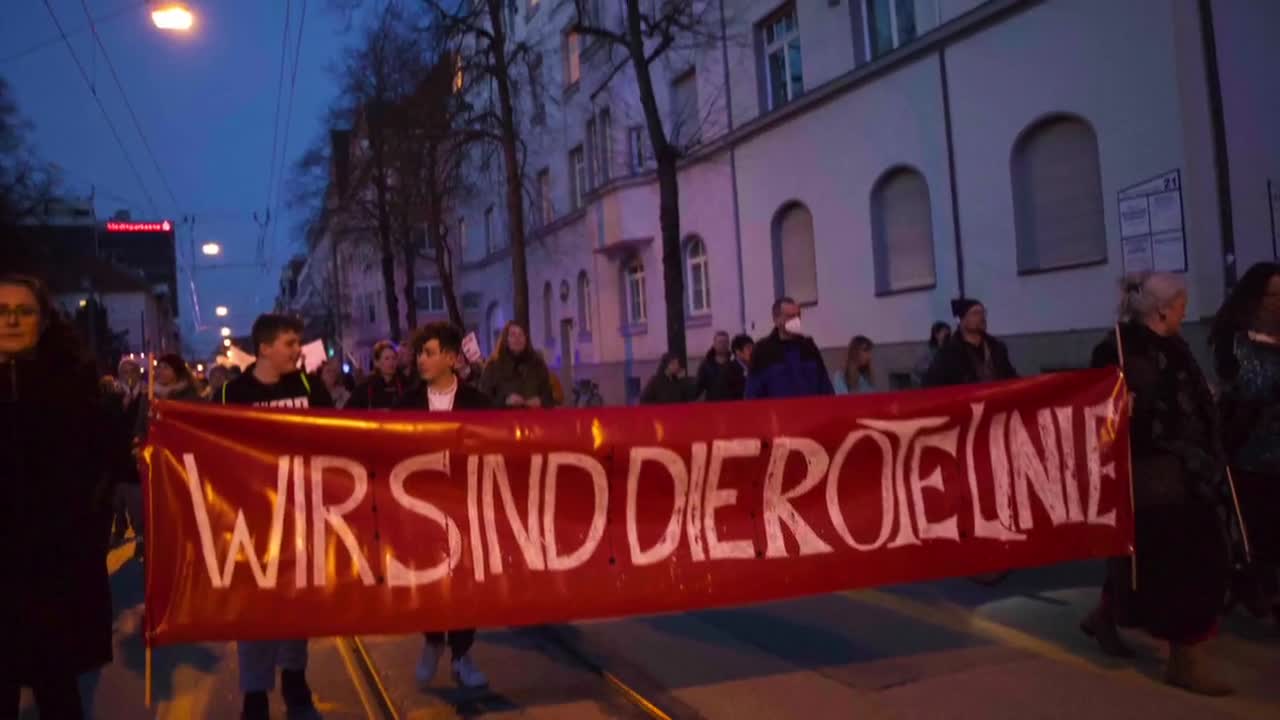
x=274, y=380
x=437, y=347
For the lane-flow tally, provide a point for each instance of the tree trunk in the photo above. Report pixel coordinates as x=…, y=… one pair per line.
x=435, y=221
x=510, y=155
x=385, y=240
x=410, y=283
x=668, y=188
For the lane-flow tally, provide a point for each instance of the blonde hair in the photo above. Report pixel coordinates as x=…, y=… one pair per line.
x=1144, y=294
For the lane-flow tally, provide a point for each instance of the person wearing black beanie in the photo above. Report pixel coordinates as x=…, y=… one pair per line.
x=971, y=355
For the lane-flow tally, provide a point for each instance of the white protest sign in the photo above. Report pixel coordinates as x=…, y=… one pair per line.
x=471, y=348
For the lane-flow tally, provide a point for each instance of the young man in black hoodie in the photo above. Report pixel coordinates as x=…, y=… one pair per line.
x=436, y=348
x=275, y=381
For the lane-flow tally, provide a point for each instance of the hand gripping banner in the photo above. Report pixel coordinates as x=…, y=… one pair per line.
x=272, y=524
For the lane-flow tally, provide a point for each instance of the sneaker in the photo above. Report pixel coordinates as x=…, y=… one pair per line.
x=297, y=694
x=256, y=707
x=467, y=675
x=429, y=663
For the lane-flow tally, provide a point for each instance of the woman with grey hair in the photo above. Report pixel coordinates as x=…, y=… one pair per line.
x=1182, y=520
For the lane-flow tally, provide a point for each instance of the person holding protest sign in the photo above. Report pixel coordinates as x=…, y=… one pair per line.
x=274, y=380
x=517, y=376
x=56, y=447
x=438, y=346
x=1183, y=509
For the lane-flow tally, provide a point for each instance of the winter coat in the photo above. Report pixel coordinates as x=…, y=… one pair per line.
x=957, y=362
x=663, y=389
x=787, y=368
x=295, y=391
x=526, y=376
x=1251, y=405
x=57, y=445
x=468, y=398
x=378, y=394
x=720, y=381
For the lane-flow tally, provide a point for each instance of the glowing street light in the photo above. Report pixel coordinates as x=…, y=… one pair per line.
x=174, y=17
x=221, y=311
x=226, y=342
x=84, y=303
x=199, y=367
x=211, y=248
x=226, y=332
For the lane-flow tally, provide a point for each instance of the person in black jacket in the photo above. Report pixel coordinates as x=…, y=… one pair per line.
x=275, y=381
x=384, y=388
x=437, y=347
x=56, y=445
x=970, y=355
x=713, y=373
x=787, y=363
x=668, y=384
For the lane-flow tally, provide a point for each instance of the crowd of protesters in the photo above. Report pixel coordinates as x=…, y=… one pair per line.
x=1196, y=450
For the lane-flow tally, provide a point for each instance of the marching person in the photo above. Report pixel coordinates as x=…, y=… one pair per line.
x=1246, y=345
x=384, y=388
x=939, y=334
x=1182, y=503
x=970, y=355
x=174, y=380
x=855, y=377
x=516, y=376
x=668, y=384
x=437, y=347
x=217, y=376
x=274, y=380
x=130, y=397
x=55, y=443
x=787, y=363
x=716, y=371
x=331, y=376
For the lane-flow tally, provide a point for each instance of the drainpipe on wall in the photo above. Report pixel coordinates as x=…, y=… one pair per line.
x=951, y=170
x=733, y=171
x=1221, y=161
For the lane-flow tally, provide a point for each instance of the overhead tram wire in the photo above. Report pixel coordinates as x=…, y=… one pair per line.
x=288, y=122
x=105, y=115
x=49, y=42
x=275, y=124
x=137, y=125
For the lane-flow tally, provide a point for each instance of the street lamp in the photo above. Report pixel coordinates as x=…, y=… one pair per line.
x=211, y=248
x=226, y=342
x=226, y=332
x=221, y=311
x=173, y=16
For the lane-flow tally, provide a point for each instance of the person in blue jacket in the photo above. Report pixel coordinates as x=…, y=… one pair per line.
x=787, y=363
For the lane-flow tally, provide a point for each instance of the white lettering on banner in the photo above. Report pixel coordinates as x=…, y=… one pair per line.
x=716, y=498
x=397, y=574
x=325, y=517
x=1032, y=460
x=670, y=461
x=778, y=509
x=599, y=485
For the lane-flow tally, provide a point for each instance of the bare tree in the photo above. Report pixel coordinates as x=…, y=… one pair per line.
x=489, y=56
x=25, y=182
x=647, y=31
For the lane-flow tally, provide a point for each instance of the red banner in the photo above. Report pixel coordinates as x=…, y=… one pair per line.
x=270, y=524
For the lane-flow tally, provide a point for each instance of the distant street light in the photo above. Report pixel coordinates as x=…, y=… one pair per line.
x=199, y=367
x=173, y=16
x=84, y=303
x=226, y=332
x=221, y=311
x=211, y=248
x=226, y=342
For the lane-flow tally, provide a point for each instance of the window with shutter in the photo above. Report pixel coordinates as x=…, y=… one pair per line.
x=1057, y=196
x=902, y=232
x=794, y=255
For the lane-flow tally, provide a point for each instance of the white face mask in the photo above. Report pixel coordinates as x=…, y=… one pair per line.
x=793, y=326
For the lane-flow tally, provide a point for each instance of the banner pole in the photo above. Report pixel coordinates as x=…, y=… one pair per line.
x=1244, y=529
x=1133, y=552
x=151, y=399
x=146, y=700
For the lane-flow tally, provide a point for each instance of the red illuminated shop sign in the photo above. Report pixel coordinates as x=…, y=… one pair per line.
x=116, y=226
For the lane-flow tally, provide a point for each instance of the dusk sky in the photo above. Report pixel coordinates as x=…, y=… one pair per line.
x=205, y=102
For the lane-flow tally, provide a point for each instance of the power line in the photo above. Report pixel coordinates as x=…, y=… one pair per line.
x=275, y=122
x=48, y=42
x=106, y=116
x=146, y=144
x=288, y=121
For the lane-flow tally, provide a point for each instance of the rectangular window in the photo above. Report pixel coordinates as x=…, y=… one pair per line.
x=636, y=311
x=784, y=76
x=684, y=110
x=488, y=229
x=429, y=297
x=636, y=140
x=593, y=154
x=577, y=177
x=893, y=23
x=572, y=58
x=545, y=212
x=604, y=145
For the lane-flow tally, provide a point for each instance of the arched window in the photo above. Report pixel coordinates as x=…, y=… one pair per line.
x=795, y=265
x=584, y=302
x=902, y=232
x=634, y=292
x=493, y=323
x=697, y=276
x=1057, y=195
x=546, y=313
